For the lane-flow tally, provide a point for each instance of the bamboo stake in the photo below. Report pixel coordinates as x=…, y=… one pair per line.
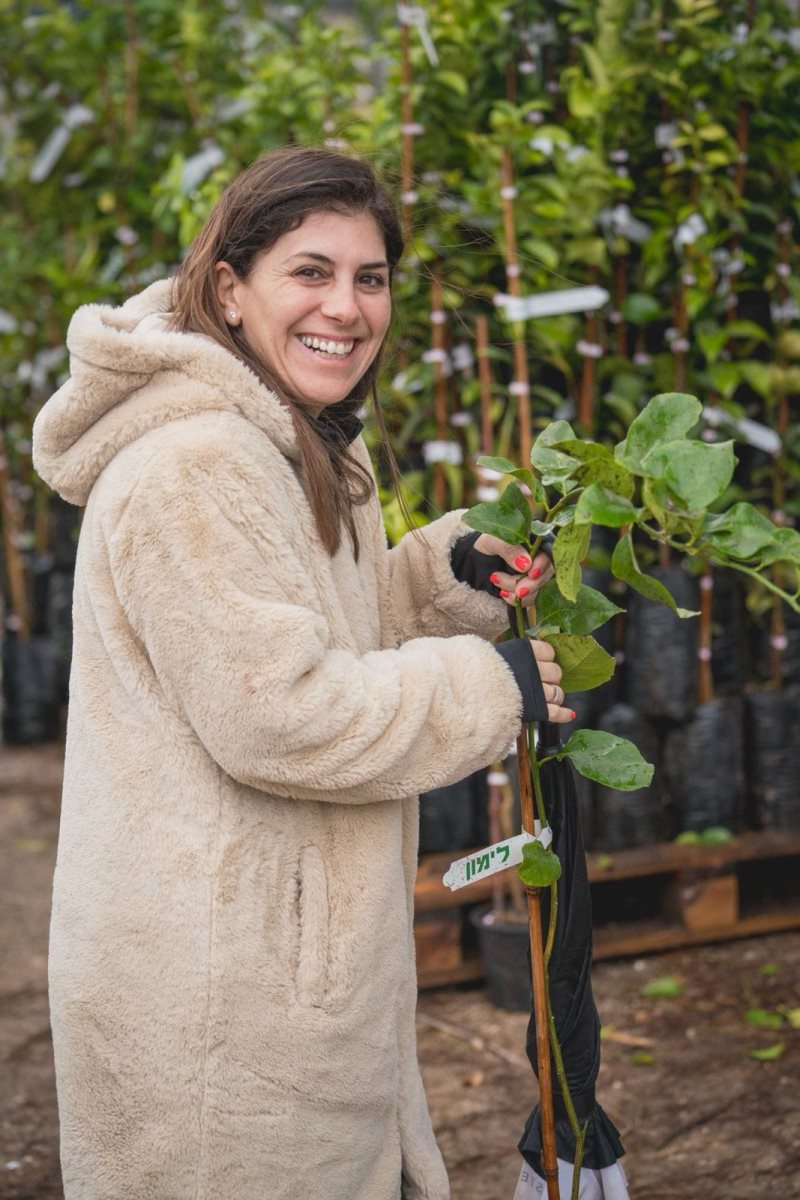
x=592, y=350
x=539, y=982
x=14, y=568
x=705, y=679
x=620, y=292
x=407, y=151
x=485, y=378
x=440, y=387
x=521, y=384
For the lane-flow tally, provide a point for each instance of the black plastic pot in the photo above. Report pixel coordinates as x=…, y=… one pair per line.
x=30, y=691
x=506, y=960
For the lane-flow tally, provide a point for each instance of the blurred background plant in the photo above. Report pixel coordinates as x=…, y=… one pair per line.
x=652, y=150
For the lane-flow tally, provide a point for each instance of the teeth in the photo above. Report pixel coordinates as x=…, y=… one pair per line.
x=339, y=349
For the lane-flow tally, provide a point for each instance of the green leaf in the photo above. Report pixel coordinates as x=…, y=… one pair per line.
x=769, y=1053
x=716, y=835
x=539, y=867
x=613, y=761
x=581, y=96
x=583, y=661
x=607, y=473
x=725, y=377
x=589, y=610
x=583, y=451
x=741, y=533
x=762, y=1018
x=689, y=837
x=598, y=506
x=455, y=81
x=639, y=308
x=500, y=519
x=785, y=547
x=626, y=568
x=642, y=1058
x=666, y=987
x=505, y=466
x=553, y=465
x=665, y=418
x=711, y=341
x=769, y=968
x=569, y=550
x=697, y=472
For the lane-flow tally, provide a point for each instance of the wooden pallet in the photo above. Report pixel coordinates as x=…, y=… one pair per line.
x=685, y=895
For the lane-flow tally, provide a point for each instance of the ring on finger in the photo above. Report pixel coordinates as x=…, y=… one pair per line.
x=557, y=693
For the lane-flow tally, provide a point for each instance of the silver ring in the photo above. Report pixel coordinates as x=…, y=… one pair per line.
x=556, y=690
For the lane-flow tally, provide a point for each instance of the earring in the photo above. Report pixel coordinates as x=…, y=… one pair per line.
x=233, y=315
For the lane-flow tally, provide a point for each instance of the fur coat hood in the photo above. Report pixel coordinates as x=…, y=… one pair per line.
x=231, y=961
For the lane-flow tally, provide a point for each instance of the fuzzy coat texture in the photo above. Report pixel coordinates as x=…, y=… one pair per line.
x=232, y=971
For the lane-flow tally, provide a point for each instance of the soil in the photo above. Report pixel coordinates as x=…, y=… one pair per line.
x=699, y=1117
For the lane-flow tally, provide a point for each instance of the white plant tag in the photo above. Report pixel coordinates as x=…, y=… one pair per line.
x=493, y=859
x=549, y=304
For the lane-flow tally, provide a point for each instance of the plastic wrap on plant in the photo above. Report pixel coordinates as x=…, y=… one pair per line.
x=703, y=762
x=772, y=760
x=728, y=639
x=628, y=818
x=30, y=691
x=661, y=650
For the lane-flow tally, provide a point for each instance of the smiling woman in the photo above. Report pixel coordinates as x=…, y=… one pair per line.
x=260, y=688
x=312, y=307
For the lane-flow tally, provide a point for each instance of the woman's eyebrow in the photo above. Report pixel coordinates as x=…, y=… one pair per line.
x=323, y=258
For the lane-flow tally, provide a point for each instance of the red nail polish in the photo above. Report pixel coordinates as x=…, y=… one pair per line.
x=495, y=579
x=523, y=591
x=573, y=714
x=522, y=562
x=504, y=595
x=536, y=572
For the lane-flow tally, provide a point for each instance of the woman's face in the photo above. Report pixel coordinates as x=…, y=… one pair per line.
x=316, y=305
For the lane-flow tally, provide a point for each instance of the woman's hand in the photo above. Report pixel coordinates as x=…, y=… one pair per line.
x=524, y=576
x=550, y=675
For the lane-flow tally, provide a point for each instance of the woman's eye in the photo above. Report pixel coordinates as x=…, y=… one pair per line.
x=309, y=273
x=374, y=281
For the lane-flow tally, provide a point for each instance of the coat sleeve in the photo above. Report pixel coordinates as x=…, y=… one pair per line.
x=427, y=599
x=215, y=587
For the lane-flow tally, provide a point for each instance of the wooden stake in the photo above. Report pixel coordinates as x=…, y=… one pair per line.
x=485, y=378
x=585, y=412
x=521, y=385
x=539, y=983
x=407, y=151
x=705, y=679
x=440, y=388
x=620, y=292
x=11, y=528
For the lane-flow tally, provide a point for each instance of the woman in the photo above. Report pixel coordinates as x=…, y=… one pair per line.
x=259, y=689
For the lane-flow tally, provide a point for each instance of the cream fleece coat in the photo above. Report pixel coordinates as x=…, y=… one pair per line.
x=232, y=964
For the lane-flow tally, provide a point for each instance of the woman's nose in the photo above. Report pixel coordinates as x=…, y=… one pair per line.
x=341, y=303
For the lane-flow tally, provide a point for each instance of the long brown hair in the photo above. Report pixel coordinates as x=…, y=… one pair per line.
x=272, y=197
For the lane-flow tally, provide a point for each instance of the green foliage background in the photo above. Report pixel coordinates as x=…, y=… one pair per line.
x=123, y=121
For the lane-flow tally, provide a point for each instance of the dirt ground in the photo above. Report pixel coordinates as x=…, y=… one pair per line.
x=699, y=1117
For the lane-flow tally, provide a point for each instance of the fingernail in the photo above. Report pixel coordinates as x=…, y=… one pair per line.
x=573, y=714
x=536, y=572
x=522, y=562
x=495, y=579
x=504, y=595
x=523, y=591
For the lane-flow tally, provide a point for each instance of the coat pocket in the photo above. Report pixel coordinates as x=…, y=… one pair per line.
x=313, y=921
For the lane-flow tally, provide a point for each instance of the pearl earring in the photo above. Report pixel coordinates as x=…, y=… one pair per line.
x=233, y=314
